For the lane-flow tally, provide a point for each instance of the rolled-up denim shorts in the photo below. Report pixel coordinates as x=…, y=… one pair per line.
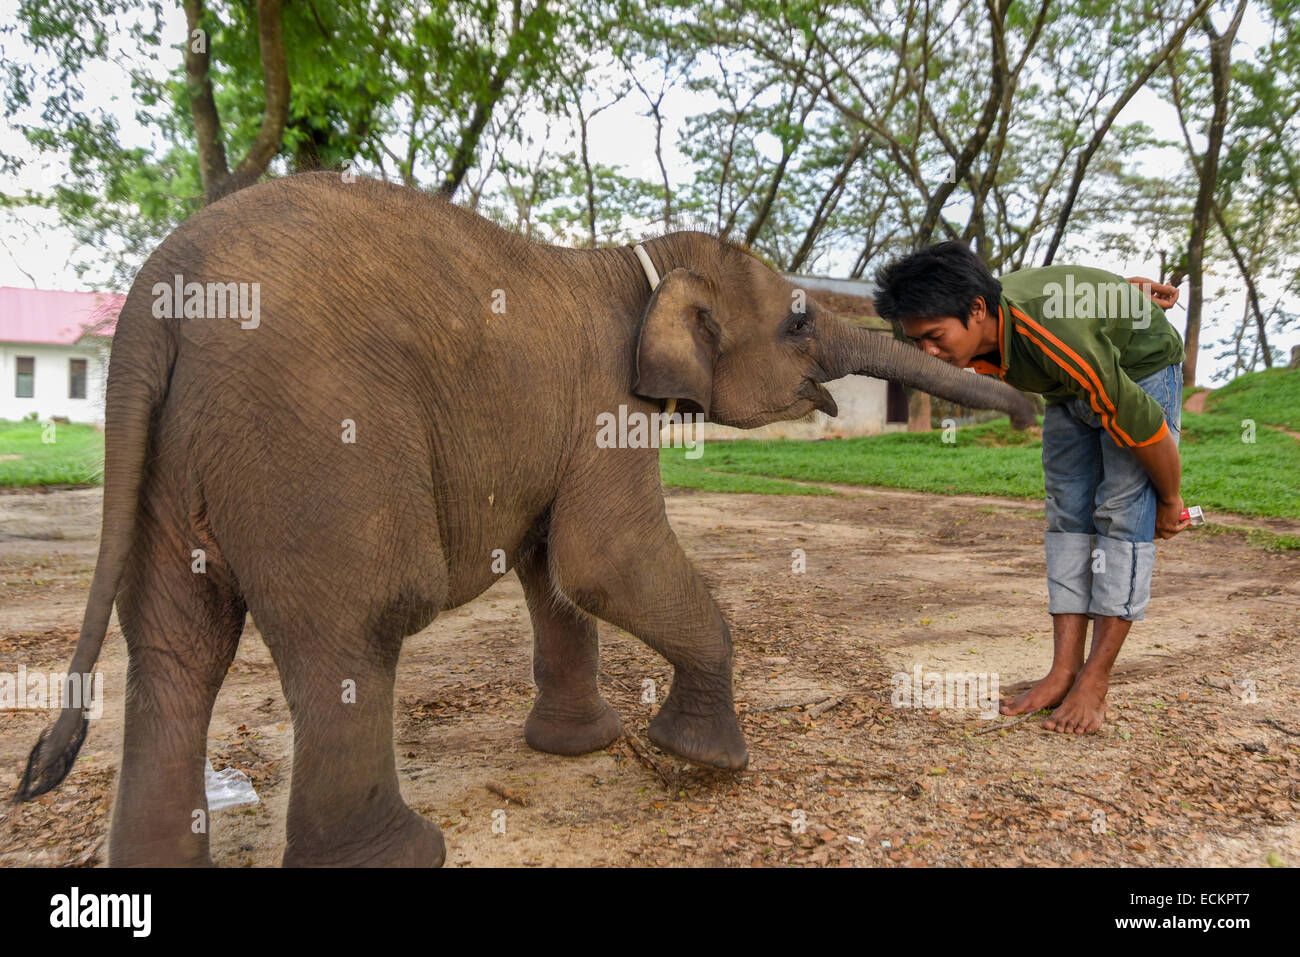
x=1101, y=508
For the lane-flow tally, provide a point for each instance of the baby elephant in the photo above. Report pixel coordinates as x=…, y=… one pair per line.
x=347, y=406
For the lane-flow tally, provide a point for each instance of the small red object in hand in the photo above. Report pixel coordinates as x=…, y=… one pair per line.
x=1194, y=515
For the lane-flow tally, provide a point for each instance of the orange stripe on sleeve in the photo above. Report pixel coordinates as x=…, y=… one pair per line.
x=1160, y=434
x=1107, y=418
x=1087, y=369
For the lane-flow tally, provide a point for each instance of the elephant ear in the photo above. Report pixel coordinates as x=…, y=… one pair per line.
x=679, y=341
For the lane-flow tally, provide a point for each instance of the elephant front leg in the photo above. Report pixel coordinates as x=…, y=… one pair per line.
x=569, y=716
x=628, y=568
x=698, y=718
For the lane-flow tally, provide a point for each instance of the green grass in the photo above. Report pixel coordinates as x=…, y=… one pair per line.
x=1221, y=472
x=75, y=457
x=679, y=472
x=1271, y=397
x=989, y=459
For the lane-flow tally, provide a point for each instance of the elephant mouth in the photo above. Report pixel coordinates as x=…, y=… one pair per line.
x=813, y=392
x=687, y=407
x=810, y=395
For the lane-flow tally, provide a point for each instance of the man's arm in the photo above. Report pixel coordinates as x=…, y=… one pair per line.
x=1162, y=465
x=1160, y=459
x=1087, y=363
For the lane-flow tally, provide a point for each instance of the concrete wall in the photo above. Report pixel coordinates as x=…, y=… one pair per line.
x=50, y=394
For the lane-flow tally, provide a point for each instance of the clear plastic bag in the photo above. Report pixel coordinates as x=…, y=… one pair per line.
x=228, y=788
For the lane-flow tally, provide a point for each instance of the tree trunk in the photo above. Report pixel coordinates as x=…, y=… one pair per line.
x=1220, y=72
x=918, y=411
x=1252, y=294
x=218, y=180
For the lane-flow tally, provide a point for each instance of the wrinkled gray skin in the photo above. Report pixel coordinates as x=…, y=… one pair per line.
x=474, y=431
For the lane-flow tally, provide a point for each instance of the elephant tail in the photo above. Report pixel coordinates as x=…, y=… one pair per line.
x=143, y=355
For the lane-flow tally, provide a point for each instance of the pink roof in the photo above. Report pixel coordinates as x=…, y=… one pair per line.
x=56, y=318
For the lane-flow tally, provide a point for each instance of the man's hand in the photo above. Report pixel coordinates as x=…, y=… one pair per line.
x=1169, y=517
x=1161, y=294
x=1162, y=465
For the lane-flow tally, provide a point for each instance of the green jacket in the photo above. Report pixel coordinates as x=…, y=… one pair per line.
x=1070, y=331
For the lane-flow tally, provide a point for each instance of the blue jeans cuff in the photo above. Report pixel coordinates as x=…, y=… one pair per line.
x=1069, y=572
x=1121, y=578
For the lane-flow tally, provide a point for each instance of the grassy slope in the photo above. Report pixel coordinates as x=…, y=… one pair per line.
x=1270, y=398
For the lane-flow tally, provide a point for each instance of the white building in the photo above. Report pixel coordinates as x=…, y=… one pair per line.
x=54, y=349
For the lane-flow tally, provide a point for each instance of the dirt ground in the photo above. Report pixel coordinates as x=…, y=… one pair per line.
x=1196, y=764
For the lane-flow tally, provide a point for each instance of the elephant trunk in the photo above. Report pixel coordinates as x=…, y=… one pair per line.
x=849, y=350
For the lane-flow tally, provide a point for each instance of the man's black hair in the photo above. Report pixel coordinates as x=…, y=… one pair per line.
x=941, y=280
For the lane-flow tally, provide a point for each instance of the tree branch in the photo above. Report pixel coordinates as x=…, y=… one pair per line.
x=1081, y=164
x=275, y=78
x=203, y=106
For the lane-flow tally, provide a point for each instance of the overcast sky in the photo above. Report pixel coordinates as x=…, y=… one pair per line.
x=38, y=252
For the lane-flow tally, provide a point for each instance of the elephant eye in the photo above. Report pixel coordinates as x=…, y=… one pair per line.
x=798, y=324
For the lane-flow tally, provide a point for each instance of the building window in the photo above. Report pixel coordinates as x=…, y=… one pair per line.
x=76, y=378
x=896, y=403
x=26, y=384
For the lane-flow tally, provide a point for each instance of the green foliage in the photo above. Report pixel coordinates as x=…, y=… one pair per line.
x=408, y=94
x=554, y=197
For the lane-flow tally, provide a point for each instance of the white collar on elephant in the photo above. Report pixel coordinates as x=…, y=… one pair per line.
x=652, y=274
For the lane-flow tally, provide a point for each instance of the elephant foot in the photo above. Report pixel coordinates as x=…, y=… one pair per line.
x=411, y=841
x=700, y=727
x=570, y=730
x=122, y=855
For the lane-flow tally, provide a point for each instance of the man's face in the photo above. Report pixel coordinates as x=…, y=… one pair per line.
x=945, y=338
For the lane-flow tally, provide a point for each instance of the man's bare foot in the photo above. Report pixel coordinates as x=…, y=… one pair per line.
x=1048, y=693
x=1084, y=708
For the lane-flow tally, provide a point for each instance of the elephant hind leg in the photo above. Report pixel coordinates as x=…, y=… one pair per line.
x=336, y=644
x=569, y=715
x=345, y=806
x=335, y=580
x=182, y=625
